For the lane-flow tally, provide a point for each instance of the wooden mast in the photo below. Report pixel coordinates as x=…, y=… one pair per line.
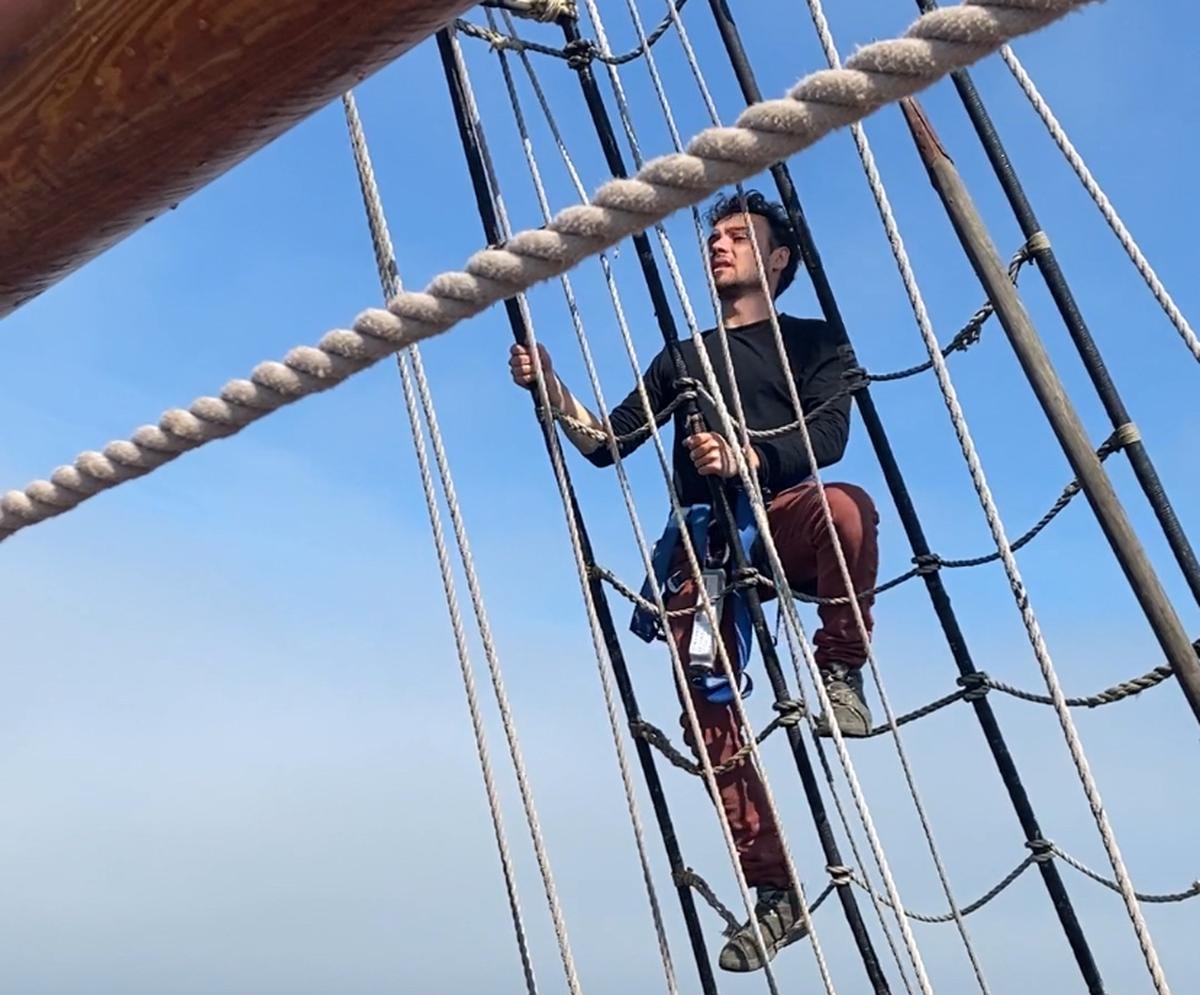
x=112, y=111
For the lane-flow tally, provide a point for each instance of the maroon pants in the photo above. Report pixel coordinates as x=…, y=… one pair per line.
x=806, y=550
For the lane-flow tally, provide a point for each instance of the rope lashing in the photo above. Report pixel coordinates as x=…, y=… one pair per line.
x=1039, y=241
x=537, y=10
x=879, y=73
x=1042, y=851
x=1127, y=434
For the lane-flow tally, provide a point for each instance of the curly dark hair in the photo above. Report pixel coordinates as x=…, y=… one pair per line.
x=782, y=236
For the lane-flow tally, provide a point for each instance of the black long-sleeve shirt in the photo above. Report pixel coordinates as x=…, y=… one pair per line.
x=817, y=369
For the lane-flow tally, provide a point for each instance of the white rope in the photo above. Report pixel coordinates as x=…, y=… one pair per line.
x=751, y=484
x=639, y=534
x=937, y=43
x=385, y=261
x=867, y=158
x=1132, y=249
x=598, y=640
x=384, y=258
x=1004, y=547
x=710, y=105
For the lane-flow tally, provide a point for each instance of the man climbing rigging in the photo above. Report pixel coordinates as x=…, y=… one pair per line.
x=794, y=512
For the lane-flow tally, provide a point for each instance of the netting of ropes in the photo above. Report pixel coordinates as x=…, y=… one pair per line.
x=856, y=862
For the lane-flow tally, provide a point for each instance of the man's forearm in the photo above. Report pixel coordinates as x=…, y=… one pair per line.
x=573, y=408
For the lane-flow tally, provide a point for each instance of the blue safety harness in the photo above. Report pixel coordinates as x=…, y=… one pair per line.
x=646, y=625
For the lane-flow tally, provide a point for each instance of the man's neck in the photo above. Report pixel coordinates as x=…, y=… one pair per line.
x=745, y=309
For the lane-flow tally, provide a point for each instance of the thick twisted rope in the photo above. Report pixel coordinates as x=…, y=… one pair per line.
x=880, y=73
x=1124, y=236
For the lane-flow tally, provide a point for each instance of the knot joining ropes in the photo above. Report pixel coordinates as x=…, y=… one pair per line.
x=975, y=685
x=580, y=53
x=1041, y=851
x=879, y=73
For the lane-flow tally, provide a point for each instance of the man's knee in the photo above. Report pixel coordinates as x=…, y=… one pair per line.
x=852, y=509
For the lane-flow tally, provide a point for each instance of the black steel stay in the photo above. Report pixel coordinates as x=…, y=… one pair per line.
x=493, y=233
x=912, y=524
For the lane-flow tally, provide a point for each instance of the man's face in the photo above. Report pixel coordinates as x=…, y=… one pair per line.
x=731, y=254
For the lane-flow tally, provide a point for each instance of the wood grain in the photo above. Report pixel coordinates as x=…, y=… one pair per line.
x=112, y=111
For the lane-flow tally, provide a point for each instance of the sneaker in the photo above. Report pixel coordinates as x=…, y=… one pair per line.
x=778, y=914
x=844, y=685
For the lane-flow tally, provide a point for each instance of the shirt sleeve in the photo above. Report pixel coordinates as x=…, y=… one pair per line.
x=629, y=416
x=783, y=462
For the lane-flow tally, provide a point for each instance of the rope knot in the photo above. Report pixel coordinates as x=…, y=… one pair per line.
x=552, y=10
x=791, y=712
x=976, y=685
x=745, y=577
x=855, y=378
x=686, y=388
x=839, y=875
x=1126, y=435
x=1039, y=241
x=928, y=563
x=1042, y=850
x=580, y=53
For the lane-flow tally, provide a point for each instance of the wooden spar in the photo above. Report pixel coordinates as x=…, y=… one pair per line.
x=112, y=111
x=1059, y=411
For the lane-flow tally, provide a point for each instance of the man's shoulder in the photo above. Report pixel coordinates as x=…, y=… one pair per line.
x=808, y=333
x=804, y=326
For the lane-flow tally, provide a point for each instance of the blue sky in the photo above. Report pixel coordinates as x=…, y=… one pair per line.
x=234, y=746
